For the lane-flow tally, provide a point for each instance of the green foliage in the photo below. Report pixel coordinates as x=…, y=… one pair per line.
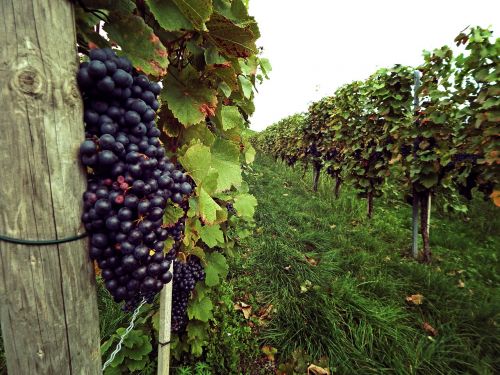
x=355, y=315
x=134, y=355
x=368, y=131
x=205, y=55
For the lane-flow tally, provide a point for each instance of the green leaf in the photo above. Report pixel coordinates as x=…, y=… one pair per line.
x=197, y=11
x=198, y=132
x=225, y=160
x=169, y=15
x=197, y=161
x=266, y=67
x=200, y=309
x=107, y=344
x=207, y=207
x=429, y=180
x=246, y=86
x=213, y=56
x=231, y=117
x=112, y=371
x=137, y=365
x=232, y=39
x=189, y=99
x=249, y=153
x=216, y=269
x=245, y=204
x=138, y=42
x=197, y=333
x=211, y=235
x=172, y=214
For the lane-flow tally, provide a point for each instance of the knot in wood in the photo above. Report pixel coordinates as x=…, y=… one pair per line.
x=29, y=81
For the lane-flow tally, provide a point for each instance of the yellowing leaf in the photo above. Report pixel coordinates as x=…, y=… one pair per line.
x=416, y=299
x=495, y=197
x=316, y=370
x=269, y=351
x=246, y=309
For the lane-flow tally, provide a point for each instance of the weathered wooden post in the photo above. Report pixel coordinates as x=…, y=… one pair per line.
x=48, y=304
x=165, y=326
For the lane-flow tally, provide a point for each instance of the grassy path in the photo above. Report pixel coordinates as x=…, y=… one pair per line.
x=338, y=282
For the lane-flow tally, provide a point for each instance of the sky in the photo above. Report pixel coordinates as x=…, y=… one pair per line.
x=316, y=46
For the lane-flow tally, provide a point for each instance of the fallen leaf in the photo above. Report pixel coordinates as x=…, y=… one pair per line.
x=245, y=308
x=311, y=261
x=305, y=286
x=429, y=329
x=269, y=351
x=264, y=313
x=316, y=370
x=416, y=299
x=461, y=284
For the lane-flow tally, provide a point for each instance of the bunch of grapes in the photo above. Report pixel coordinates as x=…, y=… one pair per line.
x=131, y=178
x=186, y=276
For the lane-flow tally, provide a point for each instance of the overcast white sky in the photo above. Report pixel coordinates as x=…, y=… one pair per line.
x=315, y=46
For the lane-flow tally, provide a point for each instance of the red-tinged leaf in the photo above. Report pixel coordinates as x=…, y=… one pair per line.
x=207, y=109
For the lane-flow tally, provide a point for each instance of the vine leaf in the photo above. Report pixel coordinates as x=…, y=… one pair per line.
x=200, y=309
x=212, y=236
x=169, y=15
x=233, y=40
x=231, y=117
x=245, y=204
x=225, y=159
x=187, y=97
x=138, y=43
x=216, y=269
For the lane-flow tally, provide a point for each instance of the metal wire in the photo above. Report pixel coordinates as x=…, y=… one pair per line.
x=122, y=338
x=21, y=241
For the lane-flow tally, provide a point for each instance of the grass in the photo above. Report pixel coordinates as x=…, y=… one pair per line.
x=352, y=308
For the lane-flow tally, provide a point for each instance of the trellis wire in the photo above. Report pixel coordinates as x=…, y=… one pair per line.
x=122, y=338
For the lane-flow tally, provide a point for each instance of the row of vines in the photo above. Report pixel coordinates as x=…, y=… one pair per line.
x=427, y=131
x=204, y=55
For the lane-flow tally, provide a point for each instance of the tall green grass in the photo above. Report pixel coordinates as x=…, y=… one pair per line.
x=353, y=308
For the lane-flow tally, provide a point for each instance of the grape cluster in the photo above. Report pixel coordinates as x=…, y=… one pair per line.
x=186, y=276
x=130, y=181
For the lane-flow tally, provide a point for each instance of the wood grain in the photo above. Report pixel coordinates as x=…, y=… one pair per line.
x=48, y=304
x=165, y=325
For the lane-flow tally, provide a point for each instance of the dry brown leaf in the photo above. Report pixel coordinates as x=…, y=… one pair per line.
x=316, y=370
x=429, y=329
x=416, y=299
x=243, y=307
x=311, y=261
x=263, y=314
x=461, y=284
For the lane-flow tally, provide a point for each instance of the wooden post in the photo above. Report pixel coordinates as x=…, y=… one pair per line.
x=414, y=250
x=165, y=324
x=48, y=304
